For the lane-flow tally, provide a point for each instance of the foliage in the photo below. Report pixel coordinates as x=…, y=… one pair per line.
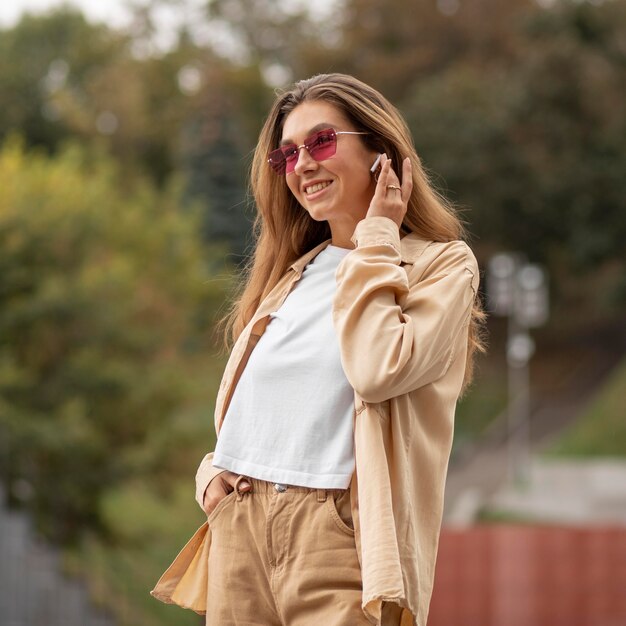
x=119, y=577
x=216, y=147
x=538, y=154
x=516, y=109
x=45, y=64
x=398, y=44
x=483, y=401
x=104, y=296
x=601, y=429
x=62, y=77
x=150, y=525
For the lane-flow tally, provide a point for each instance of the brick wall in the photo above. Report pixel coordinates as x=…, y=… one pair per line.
x=514, y=575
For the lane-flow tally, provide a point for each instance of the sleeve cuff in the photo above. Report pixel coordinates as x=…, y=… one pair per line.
x=375, y=231
x=205, y=474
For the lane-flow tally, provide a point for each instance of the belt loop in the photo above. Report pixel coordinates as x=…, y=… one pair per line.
x=321, y=495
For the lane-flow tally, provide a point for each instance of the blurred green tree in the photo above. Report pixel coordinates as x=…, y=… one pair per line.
x=395, y=44
x=216, y=150
x=536, y=146
x=281, y=38
x=529, y=99
x=45, y=56
x=106, y=296
x=62, y=77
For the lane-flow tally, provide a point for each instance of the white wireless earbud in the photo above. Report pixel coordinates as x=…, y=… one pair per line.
x=376, y=163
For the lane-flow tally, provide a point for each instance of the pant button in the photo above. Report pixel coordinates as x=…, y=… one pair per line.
x=280, y=488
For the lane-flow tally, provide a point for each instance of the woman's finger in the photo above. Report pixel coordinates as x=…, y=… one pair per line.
x=381, y=186
x=232, y=479
x=392, y=177
x=407, y=180
x=392, y=180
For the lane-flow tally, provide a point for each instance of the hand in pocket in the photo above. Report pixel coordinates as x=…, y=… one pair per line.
x=220, y=487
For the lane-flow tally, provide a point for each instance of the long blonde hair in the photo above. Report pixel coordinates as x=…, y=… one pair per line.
x=284, y=232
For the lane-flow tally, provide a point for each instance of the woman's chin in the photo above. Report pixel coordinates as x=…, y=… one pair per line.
x=319, y=214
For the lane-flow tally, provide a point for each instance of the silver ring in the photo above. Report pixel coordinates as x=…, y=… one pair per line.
x=394, y=187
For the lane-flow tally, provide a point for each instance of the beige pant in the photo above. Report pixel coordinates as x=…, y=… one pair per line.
x=286, y=558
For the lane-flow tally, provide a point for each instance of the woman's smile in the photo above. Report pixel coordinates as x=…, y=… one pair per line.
x=314, y=190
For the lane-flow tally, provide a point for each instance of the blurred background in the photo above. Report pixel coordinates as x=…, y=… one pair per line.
x=126, y=134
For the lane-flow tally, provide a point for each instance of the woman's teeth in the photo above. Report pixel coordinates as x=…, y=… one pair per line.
x=316, y=187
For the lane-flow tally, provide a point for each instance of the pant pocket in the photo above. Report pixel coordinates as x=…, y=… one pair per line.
x=221, y=505
x=340, y=511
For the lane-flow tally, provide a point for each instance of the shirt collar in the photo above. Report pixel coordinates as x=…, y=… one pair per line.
x=411, y=247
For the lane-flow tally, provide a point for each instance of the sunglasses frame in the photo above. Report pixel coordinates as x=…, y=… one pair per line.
x=279, y=163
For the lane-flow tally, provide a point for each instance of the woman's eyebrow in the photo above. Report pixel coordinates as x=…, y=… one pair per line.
x=315, y=128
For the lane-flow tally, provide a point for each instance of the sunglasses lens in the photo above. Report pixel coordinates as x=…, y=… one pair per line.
x=322, y=145
x=277, y=160
x=291, y=154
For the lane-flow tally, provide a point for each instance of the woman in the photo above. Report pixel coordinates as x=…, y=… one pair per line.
x=354, y=337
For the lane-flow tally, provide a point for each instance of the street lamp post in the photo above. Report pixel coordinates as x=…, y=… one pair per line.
x=518, y=291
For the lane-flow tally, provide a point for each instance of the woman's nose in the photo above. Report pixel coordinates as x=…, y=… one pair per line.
x=305, y=161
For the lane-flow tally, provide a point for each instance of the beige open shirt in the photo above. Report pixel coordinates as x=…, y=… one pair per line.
x=401, y=311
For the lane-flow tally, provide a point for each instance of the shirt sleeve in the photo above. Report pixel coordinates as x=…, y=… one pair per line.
x=398, y=331
x=205, y=474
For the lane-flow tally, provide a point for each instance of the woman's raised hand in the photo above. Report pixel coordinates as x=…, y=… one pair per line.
x=220, y=487
x=390, y=197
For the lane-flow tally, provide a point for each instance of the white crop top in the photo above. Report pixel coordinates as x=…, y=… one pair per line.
x=290, y=419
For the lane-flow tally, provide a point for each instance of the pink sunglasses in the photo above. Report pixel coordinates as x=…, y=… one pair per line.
x=320, y=145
